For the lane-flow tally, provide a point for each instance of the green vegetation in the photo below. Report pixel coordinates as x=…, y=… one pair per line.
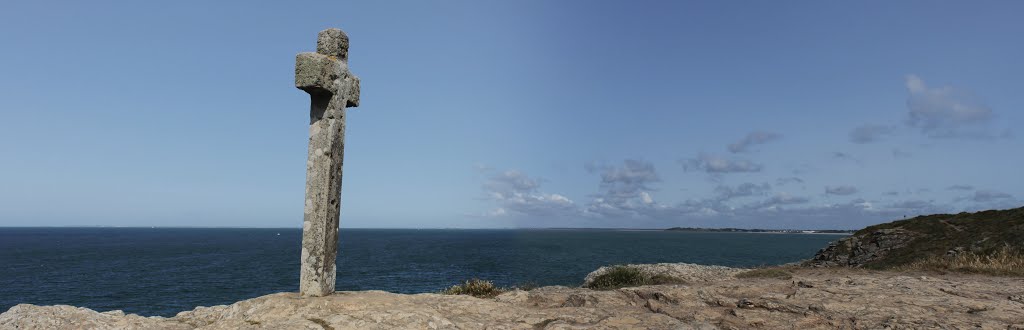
x=1003, y=262
x=625, y=276
x=982, y=234
x=618, y=277
x=664, y=279
x=484, y=289
x=475, y=287
x=773, y=272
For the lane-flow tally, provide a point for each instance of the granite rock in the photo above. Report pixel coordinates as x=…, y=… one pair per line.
x=830, y=298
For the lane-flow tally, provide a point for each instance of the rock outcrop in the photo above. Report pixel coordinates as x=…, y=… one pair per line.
x=26, y=316
x=862, y=249
x=815, y=298
x=687, y=273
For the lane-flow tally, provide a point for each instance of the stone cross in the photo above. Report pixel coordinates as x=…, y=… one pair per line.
x=332, y=88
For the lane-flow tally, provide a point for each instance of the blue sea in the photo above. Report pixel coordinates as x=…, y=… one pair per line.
x=162, y=271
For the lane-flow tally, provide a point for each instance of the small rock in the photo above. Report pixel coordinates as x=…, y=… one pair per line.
x=955, y=251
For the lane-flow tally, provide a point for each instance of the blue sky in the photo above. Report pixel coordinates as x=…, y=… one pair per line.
x=480, y=114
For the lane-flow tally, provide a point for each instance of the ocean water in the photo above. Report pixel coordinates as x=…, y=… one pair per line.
x=162, y=271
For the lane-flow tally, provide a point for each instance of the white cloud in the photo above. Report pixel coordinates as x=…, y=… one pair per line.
x=625, y=190
x=945, y=112
x=743, y=190
x=785, y=199
x=499, y=212
x=983, y=196
x=646, y=198
x=788, y=180
x=719, y=165
x=870, y=133
x=752, y=138
x=518, y=194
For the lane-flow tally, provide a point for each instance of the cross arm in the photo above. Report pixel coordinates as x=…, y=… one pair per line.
x=316, y=73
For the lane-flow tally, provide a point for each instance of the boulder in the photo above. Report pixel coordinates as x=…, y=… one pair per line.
x=687, y=273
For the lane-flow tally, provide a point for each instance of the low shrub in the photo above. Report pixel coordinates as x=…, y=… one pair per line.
x=618, y=277
x=661, y=279
x=625, y=276
x=475, y=287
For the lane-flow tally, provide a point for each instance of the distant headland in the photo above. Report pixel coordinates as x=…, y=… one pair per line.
x=782, y=231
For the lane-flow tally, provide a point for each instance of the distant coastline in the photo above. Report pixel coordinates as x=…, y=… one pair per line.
x=717, y=230
x=780, y=231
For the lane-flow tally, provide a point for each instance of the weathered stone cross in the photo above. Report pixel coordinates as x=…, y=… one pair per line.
x=332, y=88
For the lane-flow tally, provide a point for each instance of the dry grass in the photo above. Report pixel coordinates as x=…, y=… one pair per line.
x=1002, y=262
x=475, y=287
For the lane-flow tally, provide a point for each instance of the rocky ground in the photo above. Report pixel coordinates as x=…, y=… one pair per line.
x=822, y=298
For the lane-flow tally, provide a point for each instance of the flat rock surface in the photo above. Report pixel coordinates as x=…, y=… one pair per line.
x=812, y=299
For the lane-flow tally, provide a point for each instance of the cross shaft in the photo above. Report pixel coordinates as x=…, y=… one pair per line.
x=332, y=88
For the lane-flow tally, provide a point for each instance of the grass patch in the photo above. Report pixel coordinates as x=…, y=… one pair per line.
x=475, y=287
x=618, y=277
x=1002, y=262
x=778, y=273
x=665, y=279
x=625, y=276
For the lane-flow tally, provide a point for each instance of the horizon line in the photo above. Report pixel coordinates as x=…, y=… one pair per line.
x=433, y=228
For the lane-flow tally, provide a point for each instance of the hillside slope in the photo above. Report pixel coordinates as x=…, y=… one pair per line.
x=902, y=242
